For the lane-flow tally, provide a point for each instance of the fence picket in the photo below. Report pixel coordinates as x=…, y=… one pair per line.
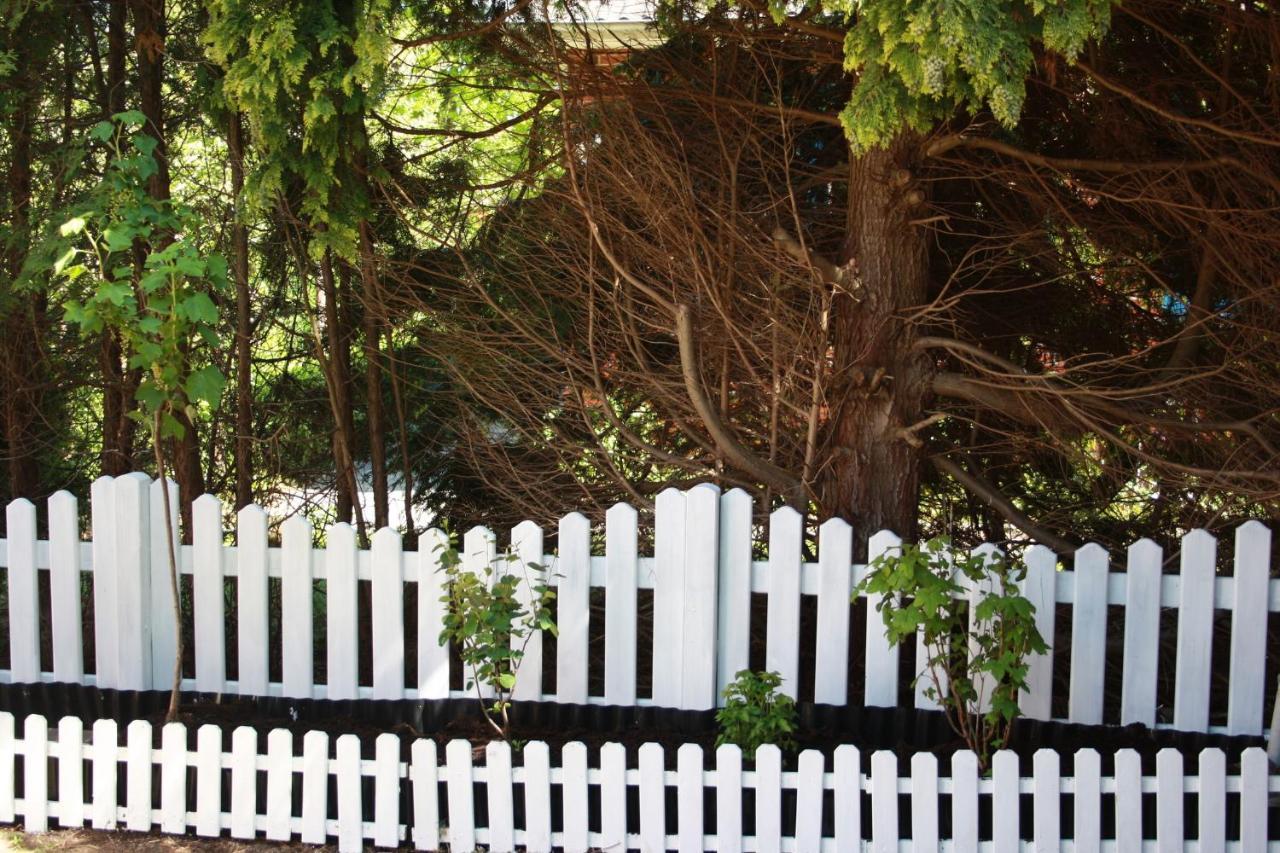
x=729, y=829
x=621, y=575
x=924, y=801
x=173, y=778
x=1211, y=802
x=733, y=625
x=768, y=799
x=1141, y=633
x=342, y=612
x=462, y=830
x=1245, y=698
x=479, y=556
x=1040, y=587
x=433, y=655
x=424, y=774
x=537, y=797
x=964, y=801
x=831, y=662
x=881, y=687
x=279, y=784
x=35, y=773
x=388, y=610
x=699, y=598
x=1046, y=793
x=526, y=546
x=1087, y=801
x=386, y=789
x=70, y=772
x=1088, y=635
x=7, y=806
x=847, y=799
x=350, y=794
x=884, y=802
x=162, y=621
x=1005, y=786
x=106, y=634
x=1254, y=800
x=782, y=624
x=1128, y=769
x=209, y=781
x=689, y=799
x=138, y=777
x=613, y=797
x=1169, y=830
x=653, y=799
x=209, y=618
x=808, y=831
x=573, y=608
x=24, y=593
x=252, y=618
x=133, y=582
x=1195, y=632
x=315, y=787
x=244, y=781
x=983, y=682
x=573, y=787
x=297, y=591
x=502, y=830
x=64, y=587
x=102, y=809
x=668, y=566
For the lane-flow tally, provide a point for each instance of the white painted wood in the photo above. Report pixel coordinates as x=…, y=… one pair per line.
x=1087, y=801
x=835, y=562
x=1046, y=790
x=244, y=781
x=209, y=781
x=70, y=772
x=808, y=832
x=388, y=615
x=881, y=687
x=102, y=805
x=729, y=829
x=297, y=592
x=1088, y=636
x=1254, y=800
x=733, y=625
x=163, y=623
x=613, y=797
x=479, y=556
x=350, y=795
x=279, y=784
x=622, y=571
x=462, y=828
x=984, y=683
x=24, y=593
x=1169, y=830
x=138, y=777
x=526, y=547
x=924, y=802
x=1195, y=632
x=884, y=802
x=133, y=583
x=1128, y=781
x=573, y=608
x=433, y=656
x=1005, y=780
x=668, y=567
x=573, y=785
x=173, y=778
x=653, y=799
x=1039, y=587
x=106, y=634
x=1246, y=696
x=1212, y=801
x=701, y=568
x=64, y=588
x=782, y=624
x=1141, y=633
x=689, y=799
x=35, y=773
x=341, y=608
x=209, y=618
x=964, y=802
x=386, y=790
x=502, y=829
x=253, y=643
x=847, y=799
x=315, y=786
x=537, y=797
x=768, y=799
x=424, y=774
x=7, y=806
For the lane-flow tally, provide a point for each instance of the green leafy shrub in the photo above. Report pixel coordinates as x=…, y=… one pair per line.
x=756, y=712
x=980, y=662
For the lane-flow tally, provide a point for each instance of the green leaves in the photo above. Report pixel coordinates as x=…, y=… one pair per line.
x=756, y=713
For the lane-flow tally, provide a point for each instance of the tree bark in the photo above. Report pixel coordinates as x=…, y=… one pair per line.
x=371, y=322
x=240, y=274
x=338, y=341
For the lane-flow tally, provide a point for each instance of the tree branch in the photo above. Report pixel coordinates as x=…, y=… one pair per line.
x=983, y=489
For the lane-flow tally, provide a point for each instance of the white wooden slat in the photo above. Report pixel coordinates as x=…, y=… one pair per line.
x=1245, y=697
x=315, y=786
x=526, y=547
x=964, y=801
x=342, y=612
x=689, y=799
x=7, y=810
x=1254, y=800
x=386, y=790
x=24, y=593
x=209, y=618
x=1087, y=801
x=106, y=635
x=653, y=799
x=808, y=831
x=1046, y=798
x=1005, y=779
x=1195, y=632
x=252, y=618
x=244, y=781
x=847, y=799
x=881, y=688
x=983, y=682
x=701, y=568
x=433, y=656
x=613, y=797
x=1169, y=829
x=479, y=556
x=462, y=828
x=884, y=802
x=1141, y=633
x=209, y=781
x=622, y=570
x=388, y=615
x=729, y=829
x=768, y=799
x=733, y=625
x=782, y=623
x=70, y=772
x=502, y=829
x=537, y=797
x=573, y=608
x=173, y=778
x=835, y=563
x=64, y=587
x=924, y=801
x=35, y=773
x=102, y=804
x=138, y=777
x=1038, y=587
x=133, y=582
x=297, y=592
x=573, y=786
x=350, y=789
x=1088, y=636
x=279, y=784
x=668, y=626
x=163, y=623
x=1128, y=798
x=424, y=774
x=1212, y=801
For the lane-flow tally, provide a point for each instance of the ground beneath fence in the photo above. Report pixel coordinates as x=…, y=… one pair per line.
x=134, y=842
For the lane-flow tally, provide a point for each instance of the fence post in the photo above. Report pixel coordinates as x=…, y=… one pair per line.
x=133, y=586
x=701, y=566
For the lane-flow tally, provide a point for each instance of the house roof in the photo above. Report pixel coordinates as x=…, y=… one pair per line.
x=608, y=25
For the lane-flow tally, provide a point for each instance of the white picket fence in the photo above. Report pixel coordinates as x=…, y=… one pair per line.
x=702, y=576
x=408, y=806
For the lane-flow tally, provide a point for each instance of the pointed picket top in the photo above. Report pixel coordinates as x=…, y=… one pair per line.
x=62, y=501
x=522, y=532
x=296, y=527
x=21, y=505
x=575, y=521
x=881, y=543
x=669, y=495
x=738, y=499
x=1039, y=555
x=1253, y=528
x=207, y=505
x=619, y=513
x=386, y=537
x=251, y=514
x=1144, y=550
x=479, y=550
x=785, y=515
x=1091, y=552
x=989, y=552
x=728, y=752
x=340, y=533
x=432, y=542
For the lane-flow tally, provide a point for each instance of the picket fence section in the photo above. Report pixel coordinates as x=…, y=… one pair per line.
x=702, y=575
x=70, y=781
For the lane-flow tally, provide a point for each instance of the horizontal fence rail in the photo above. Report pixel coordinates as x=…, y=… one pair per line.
x=700, y=579
x=408, y=793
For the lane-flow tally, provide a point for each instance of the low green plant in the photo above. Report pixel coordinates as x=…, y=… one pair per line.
x=971, y=663
x=490, y=627
x=756, y=712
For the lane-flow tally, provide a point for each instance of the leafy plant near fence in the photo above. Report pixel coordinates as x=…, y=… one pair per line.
x=756, y=712
x=975, y=654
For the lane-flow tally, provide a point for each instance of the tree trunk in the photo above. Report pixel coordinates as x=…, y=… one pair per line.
x=240, y=273
x=338, y=341
x=371, y=322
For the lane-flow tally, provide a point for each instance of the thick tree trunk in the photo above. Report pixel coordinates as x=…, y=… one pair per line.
x=338, y=341
x=373, y=379
x=240, y=273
